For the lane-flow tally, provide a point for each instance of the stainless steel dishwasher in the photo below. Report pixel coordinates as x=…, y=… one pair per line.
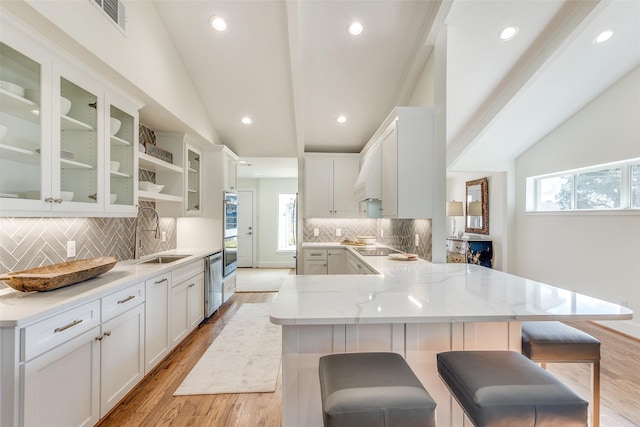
x=212, y=283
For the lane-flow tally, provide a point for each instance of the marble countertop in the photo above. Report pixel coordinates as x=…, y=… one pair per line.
x=20, y=308
x=422, y=292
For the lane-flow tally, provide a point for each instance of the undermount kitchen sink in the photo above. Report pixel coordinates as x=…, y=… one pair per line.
x=163, y=259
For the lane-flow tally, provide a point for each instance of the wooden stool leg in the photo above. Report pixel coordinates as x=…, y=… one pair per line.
x=595, y=401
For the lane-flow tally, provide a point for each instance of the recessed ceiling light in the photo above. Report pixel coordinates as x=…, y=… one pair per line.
x=341, y=119
x=243, y=163
x=355, y=28
x=218, y=23
x=247, y=120
x=509, y=32
x=603, y=36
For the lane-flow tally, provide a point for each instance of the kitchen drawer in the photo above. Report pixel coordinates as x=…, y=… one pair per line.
x=121, y=301
x=185, y=272
x=49, y=333
x=315, y=254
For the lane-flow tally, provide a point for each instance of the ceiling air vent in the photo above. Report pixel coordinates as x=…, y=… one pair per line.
x=115, y=10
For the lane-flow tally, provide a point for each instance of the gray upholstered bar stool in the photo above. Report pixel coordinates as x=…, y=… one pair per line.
x=373, y=390
x=556, y=342
x=504, y=388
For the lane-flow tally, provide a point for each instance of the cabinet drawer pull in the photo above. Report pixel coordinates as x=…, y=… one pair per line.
x=129, y=298
x=315, y=254
x=191, y=285
x=70, y=325
x=163, y=280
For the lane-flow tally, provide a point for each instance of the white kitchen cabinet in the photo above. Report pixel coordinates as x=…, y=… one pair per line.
x=62, y=364
x=54, y=158
x=408, y=173
x=194, y=181
x=230, y=171
x=228, y=286
x=67, y=373
x=355, y=266
x=337, y=261
x=315, y=261
x=187, y=300
x=329, y=182
x=121, y=132
x=187, y=307
x=156, y=343
x=121, y=344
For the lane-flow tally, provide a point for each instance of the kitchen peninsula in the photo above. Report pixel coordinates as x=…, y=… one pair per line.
x=414, y=308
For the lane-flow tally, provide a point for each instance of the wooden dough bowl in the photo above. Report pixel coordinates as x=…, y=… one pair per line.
x=57, y=275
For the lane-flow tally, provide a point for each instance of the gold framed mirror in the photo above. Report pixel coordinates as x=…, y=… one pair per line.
x=477, y=207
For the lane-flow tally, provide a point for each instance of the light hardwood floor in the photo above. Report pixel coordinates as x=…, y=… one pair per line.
x=152, y=403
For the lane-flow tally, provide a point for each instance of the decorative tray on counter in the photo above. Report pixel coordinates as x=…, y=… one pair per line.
x=57, y=275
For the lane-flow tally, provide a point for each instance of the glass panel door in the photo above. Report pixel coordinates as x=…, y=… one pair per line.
x=121, y=157
x=78, y=144
x=20, y=127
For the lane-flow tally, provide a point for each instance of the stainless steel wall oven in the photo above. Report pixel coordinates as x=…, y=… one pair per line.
x=230, y=233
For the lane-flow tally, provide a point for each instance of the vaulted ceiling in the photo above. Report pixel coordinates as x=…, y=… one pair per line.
x=293, y=68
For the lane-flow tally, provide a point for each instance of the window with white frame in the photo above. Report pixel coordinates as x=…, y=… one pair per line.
x=603, y=187
x=287, y=221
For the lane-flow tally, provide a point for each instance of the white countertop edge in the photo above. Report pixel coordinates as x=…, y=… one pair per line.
x=40, y=305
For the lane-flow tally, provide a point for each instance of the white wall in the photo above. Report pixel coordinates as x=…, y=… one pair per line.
x=267, y=190
x=596, y=254
x=144, y=59
x=498, y=212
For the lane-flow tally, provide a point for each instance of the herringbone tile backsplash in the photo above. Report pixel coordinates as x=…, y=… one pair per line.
x=398, y=233
x=33, y=242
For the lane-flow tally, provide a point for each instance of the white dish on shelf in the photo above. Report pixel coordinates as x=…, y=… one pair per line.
x=113, y=198
x=12, y=87
x=150, y=186
x=66, y=196
x=368, y=240
x=115, y=166
x=115, y=125
x=65, y=106
x=3, y=131
x=9, y=195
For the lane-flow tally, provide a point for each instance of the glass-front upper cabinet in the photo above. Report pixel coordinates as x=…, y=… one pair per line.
x=78, y=158
x=122, y=136
x=193, y=181
x=23, y=159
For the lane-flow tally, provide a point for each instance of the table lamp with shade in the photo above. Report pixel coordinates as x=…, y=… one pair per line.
x=454, y=209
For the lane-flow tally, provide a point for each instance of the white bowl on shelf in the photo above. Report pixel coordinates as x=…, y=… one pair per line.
x=65, y=106
x=113, y=198
x=12, y=87
x=367, y=240
x=66, y=196
x=150, y=187
x=115, y=125
x=3, y=131
x=115, y=166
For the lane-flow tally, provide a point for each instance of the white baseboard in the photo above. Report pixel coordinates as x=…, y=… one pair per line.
x=277, y=264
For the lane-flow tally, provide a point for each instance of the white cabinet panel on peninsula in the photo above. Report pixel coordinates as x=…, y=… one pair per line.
x=60, y=131
x=329, y=181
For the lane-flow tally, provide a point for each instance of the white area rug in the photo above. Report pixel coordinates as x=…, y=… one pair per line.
x=244, y=358
x=260, y=279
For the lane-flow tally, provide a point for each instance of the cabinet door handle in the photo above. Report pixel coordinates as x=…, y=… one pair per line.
x=191, y=285
x=58, y=200
x=67, y=326
x=129, y=298
x=49, y=200
x=163, y=280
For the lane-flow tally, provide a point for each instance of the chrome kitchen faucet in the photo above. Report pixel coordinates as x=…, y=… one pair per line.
x=137, y=243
